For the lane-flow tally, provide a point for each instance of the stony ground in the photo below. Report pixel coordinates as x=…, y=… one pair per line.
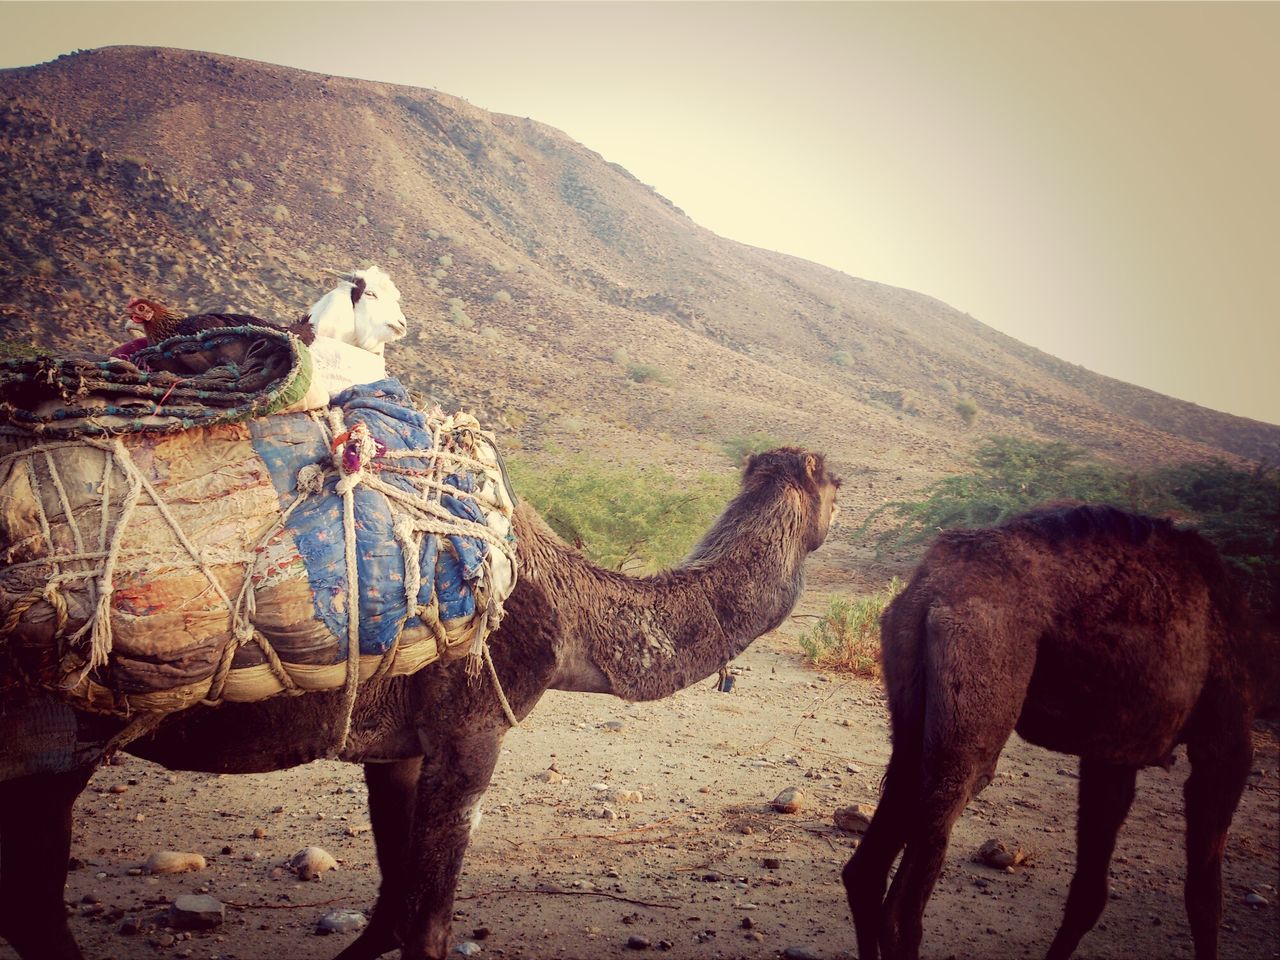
x=614, y=829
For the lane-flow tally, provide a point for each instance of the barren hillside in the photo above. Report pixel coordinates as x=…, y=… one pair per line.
x=538, y=276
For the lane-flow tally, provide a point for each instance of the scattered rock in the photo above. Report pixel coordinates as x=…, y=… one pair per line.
x=467, y=948
x=995, y=854
x=549, y=776
x=130, y=927
x=310, y=862
x=772, y=863
x=628, y=796
x=341, y=921
x=798, y=953
x=789, y=800
x=854, y=818
x=638, y=942
x=613, y=726
x=1256, y=899
x=119, y=788
x=196, y=911
x=171, y=861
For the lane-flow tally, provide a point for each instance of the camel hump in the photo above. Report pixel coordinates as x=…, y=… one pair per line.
x=1059, y=523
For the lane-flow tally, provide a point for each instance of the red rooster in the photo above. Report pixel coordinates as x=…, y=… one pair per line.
x=158, y=322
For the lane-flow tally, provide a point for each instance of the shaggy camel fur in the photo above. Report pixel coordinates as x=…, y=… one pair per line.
x=1090, y=631
x=429, y=741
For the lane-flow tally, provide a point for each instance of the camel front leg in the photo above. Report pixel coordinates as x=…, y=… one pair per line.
x=393, y=789
x=446, y=811
x=35, y=844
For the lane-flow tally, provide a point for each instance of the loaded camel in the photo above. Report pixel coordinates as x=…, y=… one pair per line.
x=429, y=741
x=1090, y=631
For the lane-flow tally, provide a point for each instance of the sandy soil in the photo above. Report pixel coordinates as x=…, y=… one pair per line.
x=657, y=825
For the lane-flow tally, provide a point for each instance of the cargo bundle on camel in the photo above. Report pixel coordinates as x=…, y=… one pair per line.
x=197, y=523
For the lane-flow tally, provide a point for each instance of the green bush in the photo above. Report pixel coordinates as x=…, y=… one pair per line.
x=1237, y=509
x=646, y=373
x=967, y=407
x=737, y=449
x=847, y=637
x=622, y=518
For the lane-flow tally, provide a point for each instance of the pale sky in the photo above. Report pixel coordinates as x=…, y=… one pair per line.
x=1098, y=180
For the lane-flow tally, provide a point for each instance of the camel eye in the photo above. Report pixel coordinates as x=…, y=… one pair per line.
x=371, y=295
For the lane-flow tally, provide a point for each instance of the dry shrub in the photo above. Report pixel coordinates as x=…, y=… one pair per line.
x=846, y=638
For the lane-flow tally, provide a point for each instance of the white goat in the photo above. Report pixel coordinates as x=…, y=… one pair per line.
x=353, y=323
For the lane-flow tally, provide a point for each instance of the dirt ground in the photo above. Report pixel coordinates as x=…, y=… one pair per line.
x=653, y=832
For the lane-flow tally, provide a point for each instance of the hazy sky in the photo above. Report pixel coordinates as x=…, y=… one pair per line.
x=1098, y=180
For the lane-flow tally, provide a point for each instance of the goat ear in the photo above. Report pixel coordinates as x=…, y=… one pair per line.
x=357, y=291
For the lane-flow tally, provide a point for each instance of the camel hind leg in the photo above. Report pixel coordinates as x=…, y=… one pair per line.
x=1106, y=793
x=966, y=725
x=866, y=874
x=1221, y=755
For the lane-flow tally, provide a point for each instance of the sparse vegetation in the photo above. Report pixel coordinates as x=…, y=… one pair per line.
x=847, y=637
x=502, y=296
x=967, y=407
x=842, y=358
x=458, y=314
x=621, y=517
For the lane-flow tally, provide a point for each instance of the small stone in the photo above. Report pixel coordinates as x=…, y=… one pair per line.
x=549, y=776
x=341, y=921
x=772, y=863
x=789, y=800
x=613, y=726
x=171, y=861
x=665, y=945
x=119, y=788
x=467, y=948
x=854, y=818
x=798, y=953
x=259, y=833
x=638, y=942
x=1256, y=899
x=747, y=923
x=755, y=936
x=628, y=796
x=480, y=933
x=130, y=927
x=196, y=912
x=309, y=862
x=995, y=854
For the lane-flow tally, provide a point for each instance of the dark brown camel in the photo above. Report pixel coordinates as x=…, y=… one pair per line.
x=1090, y=631
x=429, y=741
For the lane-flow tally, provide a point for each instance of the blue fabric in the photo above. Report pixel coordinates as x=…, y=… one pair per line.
x=286, y=443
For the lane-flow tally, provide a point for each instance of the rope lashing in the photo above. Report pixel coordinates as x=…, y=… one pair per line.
x=125, y=547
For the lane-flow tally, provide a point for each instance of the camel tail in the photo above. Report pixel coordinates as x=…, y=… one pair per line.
x=903, y=634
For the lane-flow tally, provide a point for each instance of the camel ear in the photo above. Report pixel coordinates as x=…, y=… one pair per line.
x=810, y=466
x=357, y=291
x=749, y=464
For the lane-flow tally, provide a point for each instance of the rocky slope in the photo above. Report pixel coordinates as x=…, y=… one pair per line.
x=565, y=301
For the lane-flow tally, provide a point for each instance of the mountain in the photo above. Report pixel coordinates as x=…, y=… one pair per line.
x=568, y=304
